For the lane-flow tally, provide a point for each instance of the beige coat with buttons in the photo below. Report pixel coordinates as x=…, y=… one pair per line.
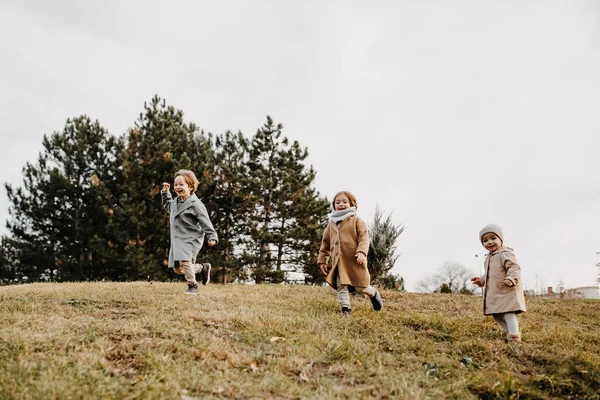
x=340, y=245
x=498, y=298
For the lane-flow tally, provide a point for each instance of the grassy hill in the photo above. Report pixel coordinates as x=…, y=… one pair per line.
x=141, y=340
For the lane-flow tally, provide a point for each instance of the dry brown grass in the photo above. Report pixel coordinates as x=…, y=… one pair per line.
x=140, y=340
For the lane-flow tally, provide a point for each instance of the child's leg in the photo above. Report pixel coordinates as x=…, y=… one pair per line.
x=178, y=269
x=342, y=294
x=369, y=290
x=512, y=323
x=189, y=271
x=204, y=269
x=373, y=295
x=499, y=318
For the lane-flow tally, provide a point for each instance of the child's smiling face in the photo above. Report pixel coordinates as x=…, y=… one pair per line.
x=342, y=202
x=491, y=242
x=181, y=187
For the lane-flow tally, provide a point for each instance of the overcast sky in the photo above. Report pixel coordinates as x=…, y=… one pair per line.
x=450, y=114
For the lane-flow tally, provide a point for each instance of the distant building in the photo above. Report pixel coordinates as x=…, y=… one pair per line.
x=587, y=292
x=583, y=292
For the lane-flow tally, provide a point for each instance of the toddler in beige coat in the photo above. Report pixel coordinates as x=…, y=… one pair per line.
x=503, y=291
x=346, y=244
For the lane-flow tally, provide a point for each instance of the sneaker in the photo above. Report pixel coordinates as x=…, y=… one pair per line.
x=192, y=289
x=377, y=301
x=346, y=311
x=205, y=273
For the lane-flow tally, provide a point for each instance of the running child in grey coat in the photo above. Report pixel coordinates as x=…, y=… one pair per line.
x=503, y=296
x=189, y=223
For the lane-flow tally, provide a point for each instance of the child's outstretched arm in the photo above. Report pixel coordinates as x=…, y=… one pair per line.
x=362, y=249
x=166, y=196
x=513, y=270
x=324, y=251
x=479, y=281
x=206, y=225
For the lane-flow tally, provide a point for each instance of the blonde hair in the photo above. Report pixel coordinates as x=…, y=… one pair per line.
x=350, y=197
x=189, y=177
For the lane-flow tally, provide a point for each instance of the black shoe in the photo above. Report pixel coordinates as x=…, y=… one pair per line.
x=205, y=273
x=346, y=311
x=192, y=289
x=377, y=301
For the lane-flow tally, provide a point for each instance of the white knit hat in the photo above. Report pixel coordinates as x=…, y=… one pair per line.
x=491, y=228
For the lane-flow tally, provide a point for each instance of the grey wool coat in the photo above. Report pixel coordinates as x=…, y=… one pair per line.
x=497, y=298
x=189, y=223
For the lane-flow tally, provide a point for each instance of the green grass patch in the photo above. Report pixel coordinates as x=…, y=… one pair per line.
x=141, y=340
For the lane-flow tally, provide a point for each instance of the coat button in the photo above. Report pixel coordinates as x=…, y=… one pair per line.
x=337, y=242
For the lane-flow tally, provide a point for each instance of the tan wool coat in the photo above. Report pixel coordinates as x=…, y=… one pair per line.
x=498, y=298
x=340, y=245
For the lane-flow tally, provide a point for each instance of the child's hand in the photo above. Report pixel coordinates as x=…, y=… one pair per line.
x=361, y=258
x=508, y=282
x=212, y=242
x=166, y=186
x=477, y=281
x=323, y=268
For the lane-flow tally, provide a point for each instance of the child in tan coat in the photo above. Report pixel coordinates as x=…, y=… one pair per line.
x=346, y=242
x=503, y=294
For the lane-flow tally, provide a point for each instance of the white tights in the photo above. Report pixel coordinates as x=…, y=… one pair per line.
x=508, y=322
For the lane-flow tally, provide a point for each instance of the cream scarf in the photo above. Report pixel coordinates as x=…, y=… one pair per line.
x=340, y=215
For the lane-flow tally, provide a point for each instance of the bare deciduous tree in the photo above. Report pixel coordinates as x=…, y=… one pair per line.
x=451, y=277
x=561, y=289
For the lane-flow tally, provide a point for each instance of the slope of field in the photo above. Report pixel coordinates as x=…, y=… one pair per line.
x=141, y=340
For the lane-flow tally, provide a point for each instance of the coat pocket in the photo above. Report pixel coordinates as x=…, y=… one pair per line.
x=505, y=289
x=185, y=238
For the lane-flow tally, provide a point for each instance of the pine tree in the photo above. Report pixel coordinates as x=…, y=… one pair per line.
x=9, y=261
x=383, y=236
x=58, y=218
x=229, y=198
x=316, y=219
x=392, y=281
x=286, y=219
x=160, y=144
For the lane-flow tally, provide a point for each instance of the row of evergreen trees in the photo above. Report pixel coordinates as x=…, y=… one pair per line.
x=89, y=208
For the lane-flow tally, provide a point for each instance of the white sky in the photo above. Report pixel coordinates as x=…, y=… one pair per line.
x=452, y=115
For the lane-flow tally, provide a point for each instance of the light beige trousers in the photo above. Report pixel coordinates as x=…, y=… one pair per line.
x=343, y=294
x=189, y=270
